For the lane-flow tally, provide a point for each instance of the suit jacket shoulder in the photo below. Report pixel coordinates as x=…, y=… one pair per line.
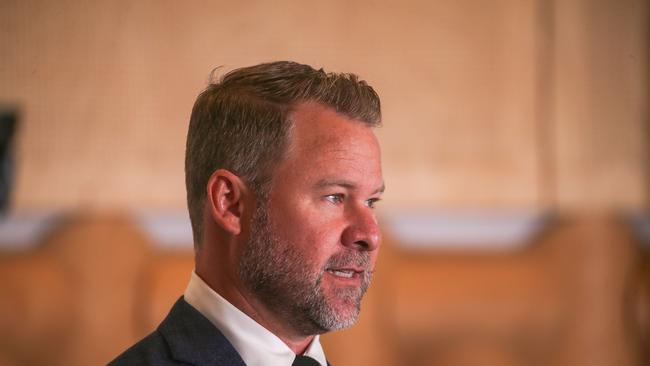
x=185, y=337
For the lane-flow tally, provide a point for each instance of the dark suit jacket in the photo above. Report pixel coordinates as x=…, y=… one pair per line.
x=185, y=337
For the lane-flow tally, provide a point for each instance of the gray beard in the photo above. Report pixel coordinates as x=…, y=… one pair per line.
x=286, y=282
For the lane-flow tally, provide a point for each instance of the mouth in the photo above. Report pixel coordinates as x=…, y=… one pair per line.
x=344, y=273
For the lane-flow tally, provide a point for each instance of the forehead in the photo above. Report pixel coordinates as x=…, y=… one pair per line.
x=323, y=142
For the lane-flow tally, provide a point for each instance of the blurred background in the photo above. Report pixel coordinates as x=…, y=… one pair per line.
x=515, y=150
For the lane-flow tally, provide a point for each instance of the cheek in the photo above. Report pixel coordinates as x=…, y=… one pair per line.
x=316, y=241
x=316, y=233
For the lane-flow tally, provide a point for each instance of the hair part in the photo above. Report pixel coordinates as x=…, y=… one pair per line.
x=240, y=123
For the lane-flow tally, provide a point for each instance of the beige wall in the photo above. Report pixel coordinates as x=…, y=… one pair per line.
x=508, y=104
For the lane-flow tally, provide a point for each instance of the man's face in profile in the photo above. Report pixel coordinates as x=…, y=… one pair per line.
x=314, y=242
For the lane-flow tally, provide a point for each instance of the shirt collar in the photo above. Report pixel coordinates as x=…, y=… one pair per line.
x=256, y=345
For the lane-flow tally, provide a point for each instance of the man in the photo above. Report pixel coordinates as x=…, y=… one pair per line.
x=282, y=172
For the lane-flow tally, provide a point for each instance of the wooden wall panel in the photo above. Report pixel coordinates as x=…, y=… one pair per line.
x=601, y=119
x=106, y=88
x=36, y=300
x=500, y=104
x=578, y=295
x=460, y=127
x=104, y=256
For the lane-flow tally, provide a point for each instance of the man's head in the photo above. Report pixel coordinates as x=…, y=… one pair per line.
x=240, y=123
x=282, y=172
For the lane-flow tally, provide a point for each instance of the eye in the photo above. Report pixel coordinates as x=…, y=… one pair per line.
x=372, y=202
x=335, y=198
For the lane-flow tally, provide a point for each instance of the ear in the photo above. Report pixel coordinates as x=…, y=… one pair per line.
x=226, y=200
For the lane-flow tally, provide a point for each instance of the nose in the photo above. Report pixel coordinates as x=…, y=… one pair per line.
x=362, y=232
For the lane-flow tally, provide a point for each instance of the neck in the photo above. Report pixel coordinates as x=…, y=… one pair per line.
x=230, y=289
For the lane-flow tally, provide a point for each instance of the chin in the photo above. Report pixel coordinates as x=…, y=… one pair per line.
x=338, y=312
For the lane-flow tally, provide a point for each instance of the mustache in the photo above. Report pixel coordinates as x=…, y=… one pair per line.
x=350, y=259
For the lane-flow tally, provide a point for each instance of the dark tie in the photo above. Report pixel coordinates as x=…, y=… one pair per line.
x=304, y=361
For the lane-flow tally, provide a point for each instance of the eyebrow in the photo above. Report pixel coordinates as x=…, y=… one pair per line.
x=324, y=183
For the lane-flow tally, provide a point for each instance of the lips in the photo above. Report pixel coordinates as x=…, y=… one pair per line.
x=343, y=272
x=349, y=266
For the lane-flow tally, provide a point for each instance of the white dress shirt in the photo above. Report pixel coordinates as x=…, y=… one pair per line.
x=256, y=345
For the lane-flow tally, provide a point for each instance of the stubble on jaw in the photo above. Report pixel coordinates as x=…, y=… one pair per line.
x=286, y=282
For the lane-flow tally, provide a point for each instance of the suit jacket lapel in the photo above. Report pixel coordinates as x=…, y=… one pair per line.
x=193, y=339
